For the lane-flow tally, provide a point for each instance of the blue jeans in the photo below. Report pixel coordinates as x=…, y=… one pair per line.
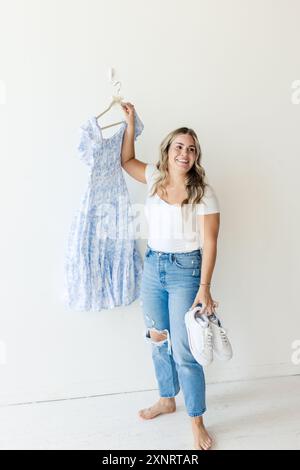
x=170, y=282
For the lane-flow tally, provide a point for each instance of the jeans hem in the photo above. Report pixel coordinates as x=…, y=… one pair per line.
x=194, y=415
x=169, y=396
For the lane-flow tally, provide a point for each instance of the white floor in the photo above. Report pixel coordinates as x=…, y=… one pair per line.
x=257, y=414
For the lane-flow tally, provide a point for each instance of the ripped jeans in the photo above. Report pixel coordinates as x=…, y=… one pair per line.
x=170, y=282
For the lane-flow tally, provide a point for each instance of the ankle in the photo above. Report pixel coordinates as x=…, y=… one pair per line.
x=198, y=420
x=167, y=401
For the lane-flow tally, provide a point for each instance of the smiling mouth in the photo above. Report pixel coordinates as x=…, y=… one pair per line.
x=180, y=160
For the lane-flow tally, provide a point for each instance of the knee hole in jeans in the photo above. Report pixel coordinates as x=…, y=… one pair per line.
x=157, y=336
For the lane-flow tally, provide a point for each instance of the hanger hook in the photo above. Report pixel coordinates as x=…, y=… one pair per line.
x=119, y=86
x=116, y=97
x=111, y=74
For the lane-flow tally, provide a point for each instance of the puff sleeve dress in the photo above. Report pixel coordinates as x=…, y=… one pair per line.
x=103, y=266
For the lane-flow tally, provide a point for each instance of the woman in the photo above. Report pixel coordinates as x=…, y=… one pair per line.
x=177, y=266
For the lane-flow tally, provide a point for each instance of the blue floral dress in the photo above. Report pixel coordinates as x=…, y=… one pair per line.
x=103, y=266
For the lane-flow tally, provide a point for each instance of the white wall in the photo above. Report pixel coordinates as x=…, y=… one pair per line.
x=226, y=69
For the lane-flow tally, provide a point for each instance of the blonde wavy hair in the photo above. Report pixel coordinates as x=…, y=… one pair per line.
x=195, y=184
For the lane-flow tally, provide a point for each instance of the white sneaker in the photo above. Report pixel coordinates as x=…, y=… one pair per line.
x=221, y=344
x=200, y=336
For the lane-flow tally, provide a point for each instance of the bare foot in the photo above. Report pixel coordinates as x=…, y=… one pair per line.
x=164, y=405
x=202, y=440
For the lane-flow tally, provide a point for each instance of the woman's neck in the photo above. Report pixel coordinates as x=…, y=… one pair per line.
x=175, y=180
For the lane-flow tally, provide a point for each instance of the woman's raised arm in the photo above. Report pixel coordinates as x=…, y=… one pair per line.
x=131, y=165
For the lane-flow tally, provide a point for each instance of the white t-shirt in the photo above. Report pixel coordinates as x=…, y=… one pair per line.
x=169, y=231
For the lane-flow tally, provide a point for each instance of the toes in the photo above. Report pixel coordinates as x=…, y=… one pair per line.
x=145, y=413
x=209, y=443
x=206, y=446
x=142, y=414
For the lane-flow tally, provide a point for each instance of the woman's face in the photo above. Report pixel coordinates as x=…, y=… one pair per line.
x=182, y=153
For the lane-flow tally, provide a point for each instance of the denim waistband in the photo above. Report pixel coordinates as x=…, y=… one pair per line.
x=168, y=253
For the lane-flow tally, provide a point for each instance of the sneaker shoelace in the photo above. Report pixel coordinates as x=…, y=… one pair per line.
x=223, y=336
x=208, y=339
